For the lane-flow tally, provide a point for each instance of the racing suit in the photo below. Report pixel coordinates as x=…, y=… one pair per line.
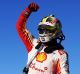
x=44, y=63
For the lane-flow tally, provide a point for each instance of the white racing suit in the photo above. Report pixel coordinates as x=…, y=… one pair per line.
x=53, y=63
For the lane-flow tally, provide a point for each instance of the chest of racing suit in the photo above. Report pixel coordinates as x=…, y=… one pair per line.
x=53, y=63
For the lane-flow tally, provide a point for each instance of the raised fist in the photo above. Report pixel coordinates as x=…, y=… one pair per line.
x=33, y=7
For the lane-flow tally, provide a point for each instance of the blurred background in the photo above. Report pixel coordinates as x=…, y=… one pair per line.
x=13, y=54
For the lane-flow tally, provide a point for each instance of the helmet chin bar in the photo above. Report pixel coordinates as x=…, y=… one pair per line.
x=45, y=38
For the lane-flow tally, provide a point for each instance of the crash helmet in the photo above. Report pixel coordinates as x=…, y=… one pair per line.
x=50, y=28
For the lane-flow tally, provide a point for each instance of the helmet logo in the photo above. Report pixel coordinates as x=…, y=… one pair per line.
x=53, y=21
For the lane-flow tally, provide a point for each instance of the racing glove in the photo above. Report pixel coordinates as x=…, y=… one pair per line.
x=33, y=7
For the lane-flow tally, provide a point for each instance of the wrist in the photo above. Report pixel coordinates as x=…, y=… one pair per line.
x=27, y=11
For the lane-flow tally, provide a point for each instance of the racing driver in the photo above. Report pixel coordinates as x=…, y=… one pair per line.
x=52, y=58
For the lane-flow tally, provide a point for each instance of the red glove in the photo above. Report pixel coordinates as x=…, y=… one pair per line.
x=33, y=7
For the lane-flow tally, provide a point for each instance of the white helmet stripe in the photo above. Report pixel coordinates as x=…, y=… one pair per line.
x=47, y=23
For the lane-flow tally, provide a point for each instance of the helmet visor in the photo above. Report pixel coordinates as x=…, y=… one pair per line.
x=46, y=28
